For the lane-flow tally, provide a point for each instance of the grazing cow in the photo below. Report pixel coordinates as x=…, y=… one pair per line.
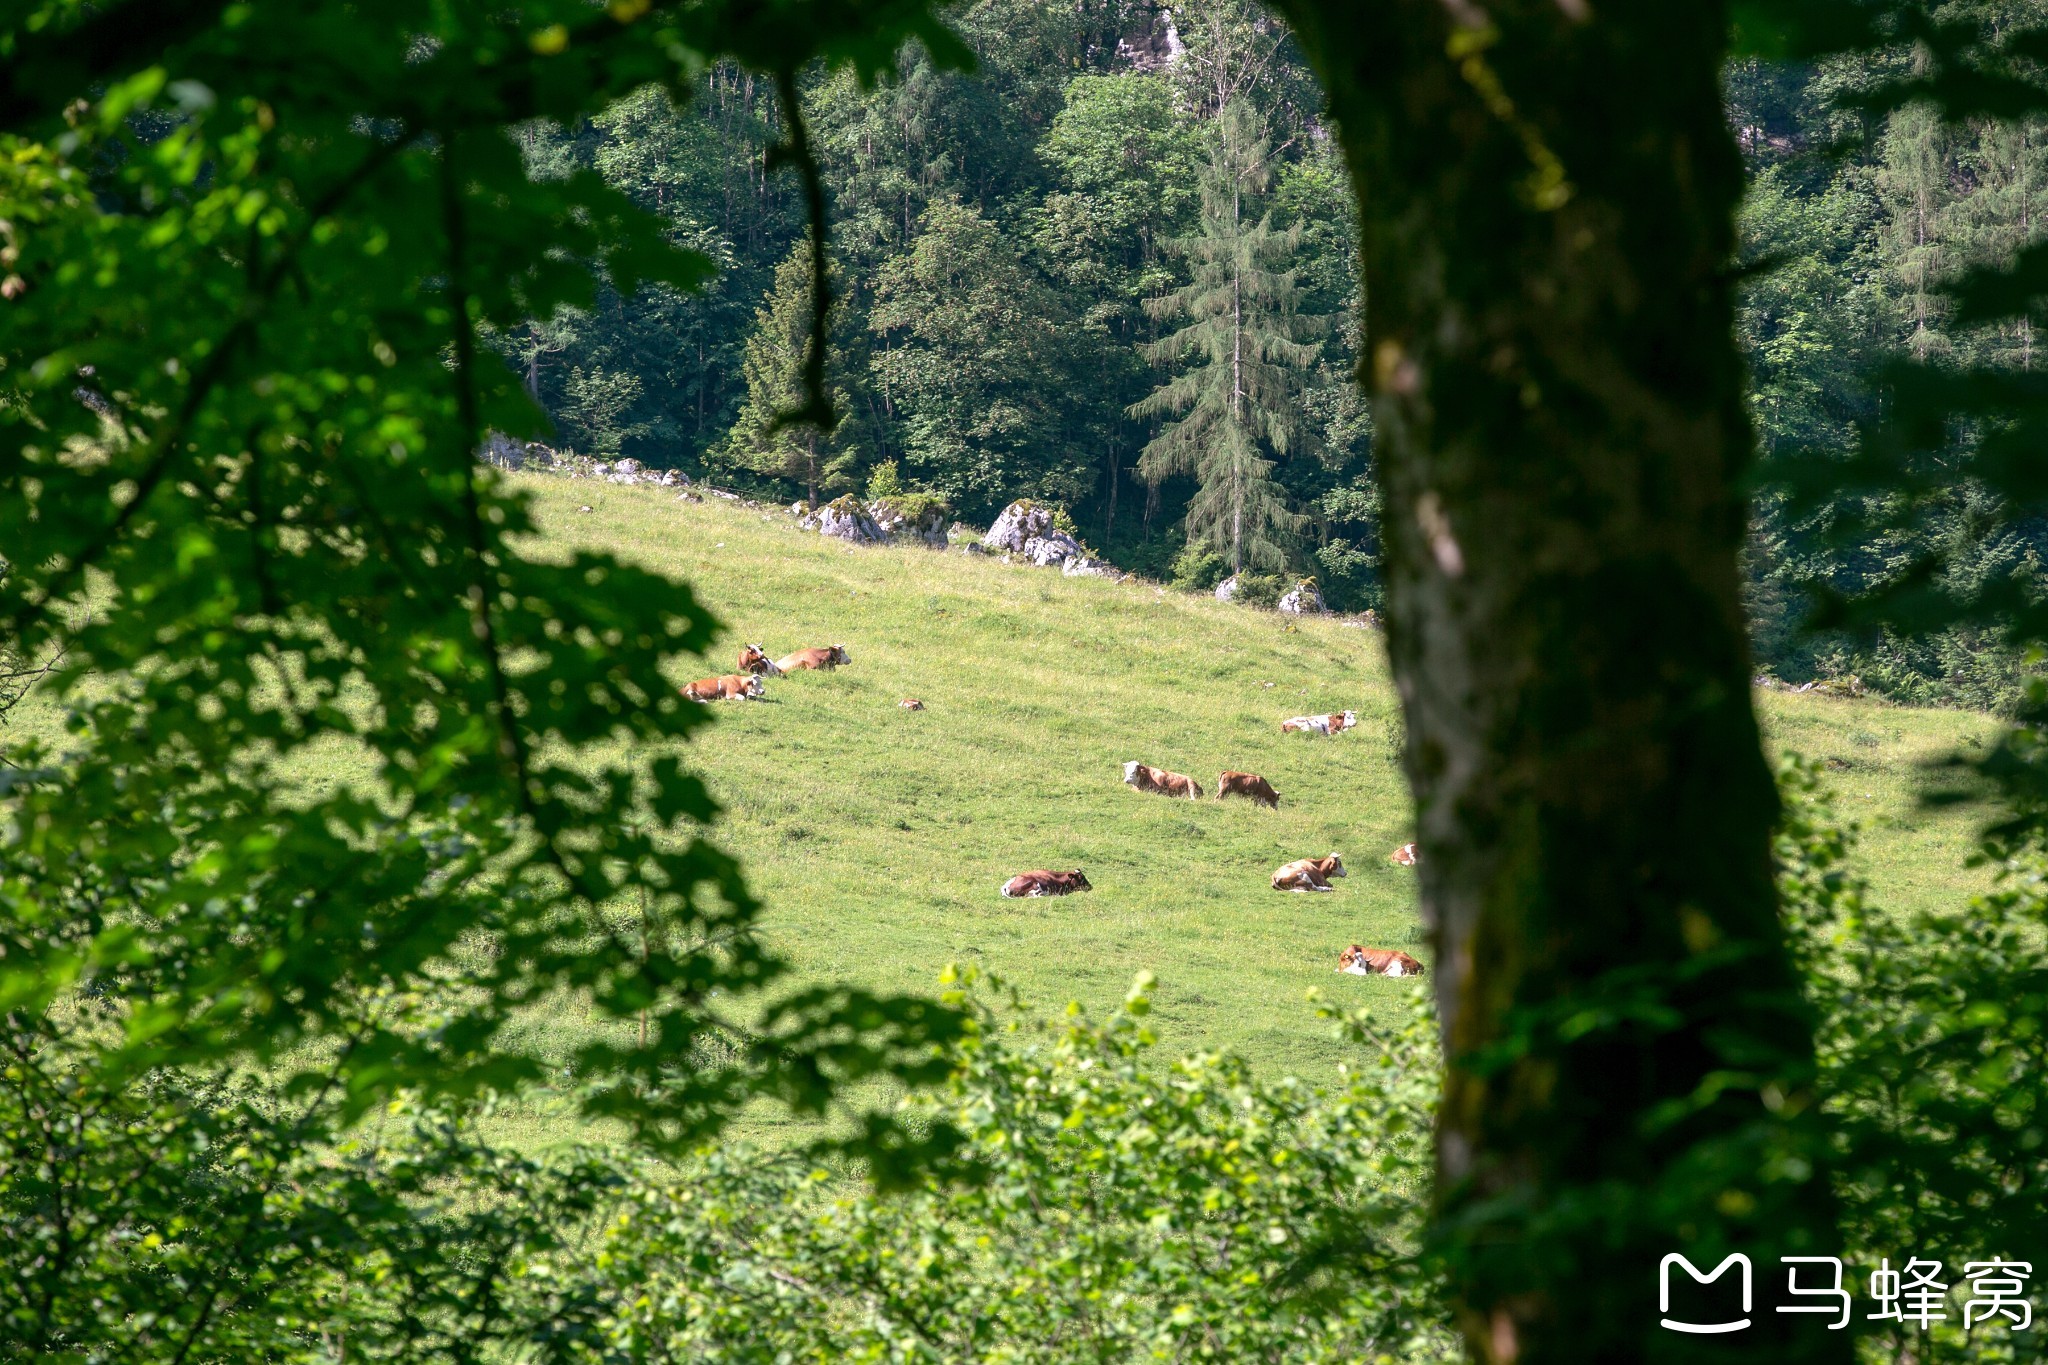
x=1404, y=856
x=911, y=704
x=731, y=687
x=827, y=657
x=1150, y=779
x=754, y=659
x=1309, y=874
x=1360, y=961
x=1042, y=883
x=1321, y=725
x=1247, y=784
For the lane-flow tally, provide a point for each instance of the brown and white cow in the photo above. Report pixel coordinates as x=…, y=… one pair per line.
x=911, y=704
x=754, y=659
x=1320, y=725
x=1309, y=874
x=1404, y=856
x=826, y=657
x=731, y=687
x=1360, y=961
x=1043, y=883
x=1149, y=779
x=1249, y=785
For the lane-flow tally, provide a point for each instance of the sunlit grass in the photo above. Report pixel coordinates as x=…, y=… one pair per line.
x=877, y=837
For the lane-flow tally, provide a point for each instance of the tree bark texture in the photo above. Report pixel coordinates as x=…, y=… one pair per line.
x=1547, y=191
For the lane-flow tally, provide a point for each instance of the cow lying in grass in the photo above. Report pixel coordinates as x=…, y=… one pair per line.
x=1309, y=874
x=1046, y=884
x=1149, y=779
x=825, y=656
x=754, y=659
x=1249, y=785
x=1404, y=856
x=1320, y=725
x=1358, y=961
x=731, y=687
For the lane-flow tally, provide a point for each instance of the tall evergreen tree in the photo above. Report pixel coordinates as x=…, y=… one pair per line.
x=776, y=351
x=1236, y=410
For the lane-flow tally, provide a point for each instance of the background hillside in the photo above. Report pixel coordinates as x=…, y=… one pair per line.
x=878, y=837
x=1010, y=241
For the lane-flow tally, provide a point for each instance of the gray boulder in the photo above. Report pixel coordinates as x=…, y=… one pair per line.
x=1020, y=523
x=1052, y=549
x=1226, y=591
x=928, y=527
x=1303, y=599
x=506, y=452
x=845, y=519
x=1081, y=566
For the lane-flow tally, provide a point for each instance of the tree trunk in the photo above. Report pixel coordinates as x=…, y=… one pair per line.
x=1546, y=193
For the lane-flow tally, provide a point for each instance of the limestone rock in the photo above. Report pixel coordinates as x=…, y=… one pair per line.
x=927, y=526
x=1052, y=549
x=1019, y=523
x=845, y=519
x=1226, y=591
x=1303, y=599
x=1081, y=566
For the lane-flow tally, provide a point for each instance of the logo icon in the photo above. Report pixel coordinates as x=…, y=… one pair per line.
x=1702, y=1328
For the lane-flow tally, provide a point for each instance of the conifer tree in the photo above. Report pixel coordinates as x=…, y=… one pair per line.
x=1236, y=409
x=776, y=350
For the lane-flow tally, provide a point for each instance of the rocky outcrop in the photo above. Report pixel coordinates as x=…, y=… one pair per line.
x=1226, y=591
x=509, y=452
x=632, y=471
x=845, y=519
x=1081, y=566
x=926, y=525
x=1026, y=529
x=1303, y=599
x=1020, y=523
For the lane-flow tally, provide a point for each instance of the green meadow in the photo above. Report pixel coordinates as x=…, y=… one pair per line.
x=877, y=837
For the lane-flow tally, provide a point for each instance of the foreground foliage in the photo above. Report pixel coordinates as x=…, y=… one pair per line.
x=248, y=256
x=1110, y=1206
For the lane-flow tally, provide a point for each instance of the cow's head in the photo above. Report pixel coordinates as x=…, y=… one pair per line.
x=840, y=656
x=1350, y=719
x=1336, y=868
x=1131, y=771
x=755, y=687
x=1080, y=882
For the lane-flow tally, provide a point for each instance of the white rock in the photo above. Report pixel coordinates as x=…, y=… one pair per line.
x=1051, y=549
x=1302, y=600
x=1082, y=566
x=1017, y=526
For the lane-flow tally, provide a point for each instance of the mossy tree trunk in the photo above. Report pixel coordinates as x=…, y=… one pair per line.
x=1546, y=192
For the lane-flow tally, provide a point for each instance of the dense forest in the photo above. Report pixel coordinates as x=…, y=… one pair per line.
x=1113, y=268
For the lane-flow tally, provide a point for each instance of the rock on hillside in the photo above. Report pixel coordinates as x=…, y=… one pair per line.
x=1081, y=566
x=910, y=521
x=845, y=519
x=1026, y=529
x=1303, y=599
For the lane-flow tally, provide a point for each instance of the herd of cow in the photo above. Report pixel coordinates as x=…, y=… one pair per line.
x=1303, y=874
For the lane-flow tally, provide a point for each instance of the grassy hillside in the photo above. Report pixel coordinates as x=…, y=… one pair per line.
x=878, y=836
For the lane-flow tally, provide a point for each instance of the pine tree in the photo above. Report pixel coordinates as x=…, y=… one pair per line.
x=1236, y=410
x=776, y=349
